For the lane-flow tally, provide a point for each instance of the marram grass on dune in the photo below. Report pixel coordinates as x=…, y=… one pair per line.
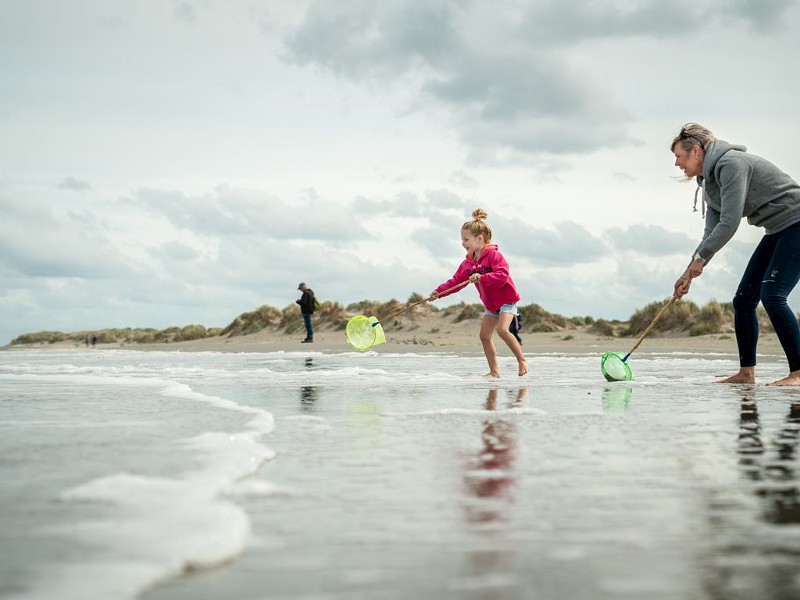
x=684, y=318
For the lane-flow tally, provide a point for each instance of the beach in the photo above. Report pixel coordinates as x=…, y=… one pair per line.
x=438, y=332
x=259, y=467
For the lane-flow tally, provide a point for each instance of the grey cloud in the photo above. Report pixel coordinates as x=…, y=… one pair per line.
x=563, y=24
x=370, y=206
x=75, y=185
x=534, y=102
x=503, y=88
x=444, y=199
x=535, y=105
x=762, y=16
x=360, y=38
x=37, y=241
x=570, y=243
x=463, y=179
x=185, y=12
x=175, y=252
x=443, y=243
x=228, y=212
x=650, y=240
x=503, y=76
x=566, y=23
x=408, y=204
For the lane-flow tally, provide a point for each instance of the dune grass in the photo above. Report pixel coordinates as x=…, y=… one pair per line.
x=684, y=318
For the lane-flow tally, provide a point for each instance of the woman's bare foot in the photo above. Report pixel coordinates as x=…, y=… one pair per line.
x=737, y=379
x=791, y=379
x=523, y=368
x=494, y=374
x=745, y=375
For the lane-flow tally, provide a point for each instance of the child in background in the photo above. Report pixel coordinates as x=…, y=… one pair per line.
x=488, y=270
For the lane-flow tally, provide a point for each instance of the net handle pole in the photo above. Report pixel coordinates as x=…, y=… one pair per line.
x=428, y=299
x=649, y=327
x=655, y=320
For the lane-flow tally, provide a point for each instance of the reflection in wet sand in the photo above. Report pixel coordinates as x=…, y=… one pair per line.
x=308, y=398
x=616, y=398
x=490, y=482
x=490, y=477
x=768, y=468
x=772, y=468
x=308, y=393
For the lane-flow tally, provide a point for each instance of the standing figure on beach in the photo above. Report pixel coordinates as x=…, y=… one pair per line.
x=734, y=185
x=306, y=302
x=488, y=270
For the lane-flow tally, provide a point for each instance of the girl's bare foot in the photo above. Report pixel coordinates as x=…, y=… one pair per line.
x=494, y=374
x=791, y=379
x=523, y=368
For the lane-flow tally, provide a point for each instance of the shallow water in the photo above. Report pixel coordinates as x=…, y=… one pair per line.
x=204, y=475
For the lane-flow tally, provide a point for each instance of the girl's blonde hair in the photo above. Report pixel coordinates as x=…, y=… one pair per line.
x=693, y=134
x=477, y=226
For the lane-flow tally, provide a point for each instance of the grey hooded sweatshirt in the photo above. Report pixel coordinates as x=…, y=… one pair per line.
x=737, y=185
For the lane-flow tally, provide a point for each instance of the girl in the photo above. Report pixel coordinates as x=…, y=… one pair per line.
x=488, y=270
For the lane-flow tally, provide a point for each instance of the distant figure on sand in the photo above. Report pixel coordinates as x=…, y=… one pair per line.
x=306, y=302
x=488, y=270
x=734, y=185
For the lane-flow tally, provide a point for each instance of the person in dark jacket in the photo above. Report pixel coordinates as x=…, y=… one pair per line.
x=306, y=302
x=736, y=184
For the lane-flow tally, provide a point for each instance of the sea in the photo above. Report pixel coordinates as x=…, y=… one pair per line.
x=168, y=475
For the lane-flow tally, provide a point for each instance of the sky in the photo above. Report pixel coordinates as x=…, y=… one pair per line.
x=173, y=162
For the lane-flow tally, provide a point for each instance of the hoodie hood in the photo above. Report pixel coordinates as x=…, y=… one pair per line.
x=717, y=150
x=484, y=250
x=738, y=184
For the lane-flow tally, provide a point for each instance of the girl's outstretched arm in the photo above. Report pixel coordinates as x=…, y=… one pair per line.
x=460, y=276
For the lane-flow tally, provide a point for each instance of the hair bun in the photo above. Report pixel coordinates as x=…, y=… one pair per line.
x=479, y=214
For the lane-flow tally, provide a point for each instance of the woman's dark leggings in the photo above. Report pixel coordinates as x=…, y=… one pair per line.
x=770, y=276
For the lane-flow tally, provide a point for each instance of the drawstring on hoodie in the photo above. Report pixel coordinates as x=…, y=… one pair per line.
x=702, y=198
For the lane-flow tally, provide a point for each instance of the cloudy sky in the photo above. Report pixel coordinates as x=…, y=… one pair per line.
x=169, y=162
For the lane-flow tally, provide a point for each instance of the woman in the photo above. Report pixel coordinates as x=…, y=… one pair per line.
x=735, y=185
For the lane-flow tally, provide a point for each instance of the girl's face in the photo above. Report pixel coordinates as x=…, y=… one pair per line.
x=472, y=244
x=689, y=161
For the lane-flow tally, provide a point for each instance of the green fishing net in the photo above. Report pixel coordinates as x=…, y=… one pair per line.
x=615, y=367
x=364, y=332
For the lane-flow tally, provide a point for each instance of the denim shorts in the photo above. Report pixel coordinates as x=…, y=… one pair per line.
x=509, y=308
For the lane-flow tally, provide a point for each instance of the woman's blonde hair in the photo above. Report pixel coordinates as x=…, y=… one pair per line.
x=477, y=226
x=692, y=134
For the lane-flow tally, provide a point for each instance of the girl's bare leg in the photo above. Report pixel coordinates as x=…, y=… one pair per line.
x=504, y=320
x=745, y=375
x=487, y=329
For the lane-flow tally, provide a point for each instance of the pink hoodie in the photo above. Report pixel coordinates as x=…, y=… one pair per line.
x=495, y=286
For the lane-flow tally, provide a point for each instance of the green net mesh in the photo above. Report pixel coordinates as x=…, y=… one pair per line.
x=614, y=368
x=364, y=332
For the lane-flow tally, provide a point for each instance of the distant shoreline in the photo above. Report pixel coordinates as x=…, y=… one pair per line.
x=436, y=335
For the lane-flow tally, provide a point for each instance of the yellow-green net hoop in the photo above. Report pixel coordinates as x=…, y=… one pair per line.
x=615, y=368
x=364, y=332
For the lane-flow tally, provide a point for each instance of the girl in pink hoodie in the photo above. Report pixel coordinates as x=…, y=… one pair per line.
x=488, y=270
